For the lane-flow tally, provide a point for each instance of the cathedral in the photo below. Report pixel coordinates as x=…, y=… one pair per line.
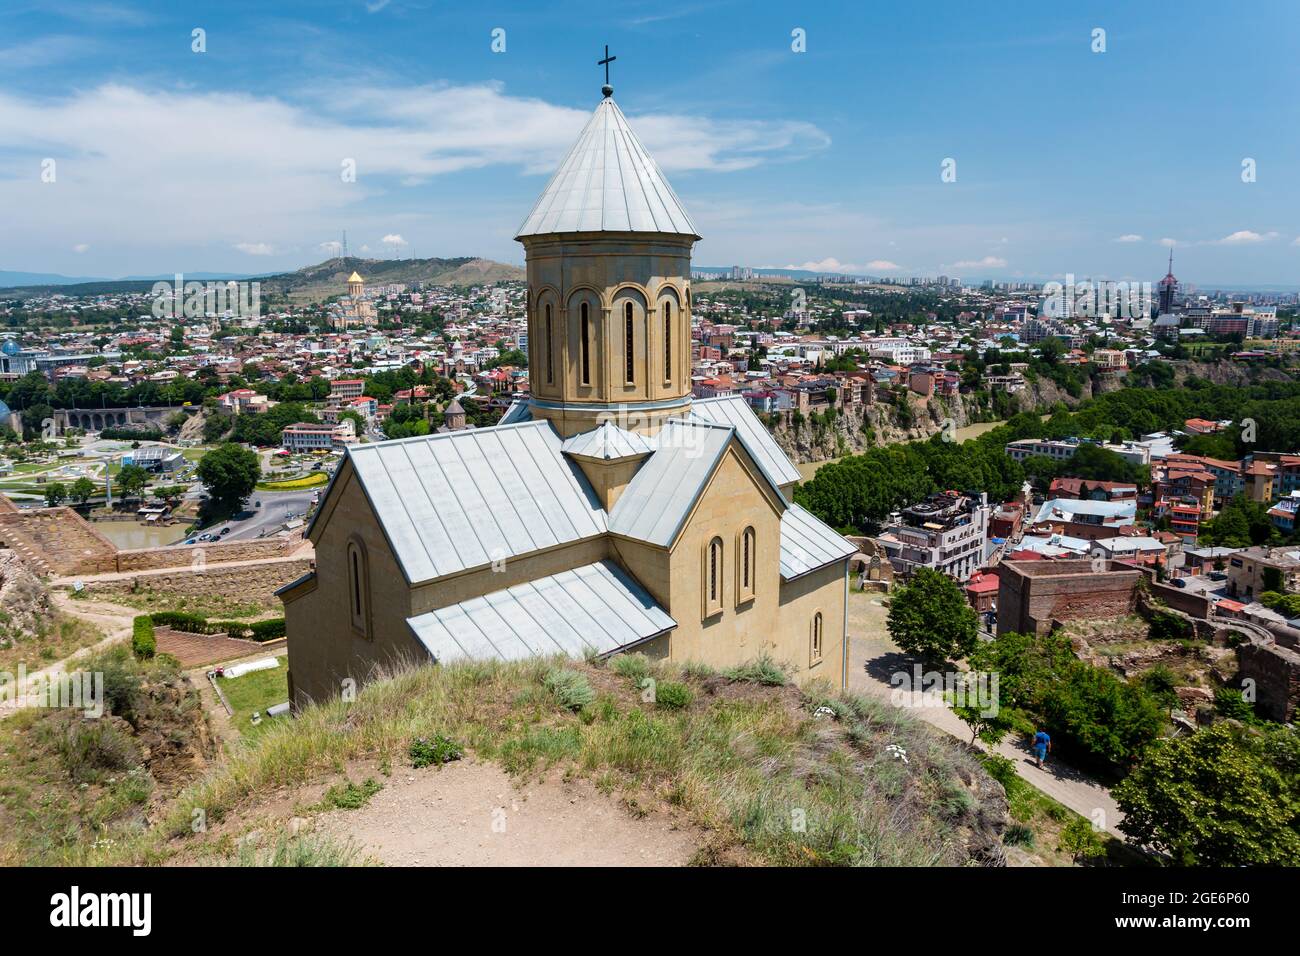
x=608, y=512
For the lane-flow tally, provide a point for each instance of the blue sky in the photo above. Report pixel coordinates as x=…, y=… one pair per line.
x=1067, y=160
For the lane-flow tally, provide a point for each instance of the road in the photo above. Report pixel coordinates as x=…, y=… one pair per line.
x=874, y=660
x=275, y=511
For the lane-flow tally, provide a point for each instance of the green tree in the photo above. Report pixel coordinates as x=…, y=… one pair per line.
x=230, y=473
x=1225, y=796
x=929, y=616
x=131, y=480
x=55, y=494
x=82, y=489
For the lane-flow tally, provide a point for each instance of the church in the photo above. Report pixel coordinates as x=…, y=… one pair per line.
x=609, y=512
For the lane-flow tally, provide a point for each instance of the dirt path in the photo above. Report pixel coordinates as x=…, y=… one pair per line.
x=874, y=658
x=113, y=619
x=473, y=814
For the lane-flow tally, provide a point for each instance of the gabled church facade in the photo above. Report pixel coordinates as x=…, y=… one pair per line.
x=610, y=512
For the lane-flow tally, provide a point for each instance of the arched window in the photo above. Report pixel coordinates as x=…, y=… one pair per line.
x=713, y=571
x=358, y=589
x=584, y=346
x=815, y=651
x=550, y=348
x=629, y=339
x=668, y=342
x=746, y=566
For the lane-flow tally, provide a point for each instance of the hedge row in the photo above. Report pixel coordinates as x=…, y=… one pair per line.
x=260, y=631
x=143, y=643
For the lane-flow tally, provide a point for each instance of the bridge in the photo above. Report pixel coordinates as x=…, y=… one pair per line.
x=97, y=419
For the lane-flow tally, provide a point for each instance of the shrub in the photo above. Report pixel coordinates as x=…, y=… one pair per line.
x=635, y=667
x=673, y=695
x=1232, y=704
x=1002, y=769
x=1081, y=841
x=569, y=688
x=350, y=796
x=433, y=751
x=1160, y=682
x=762, y=671
x=90, y=748
x=143, y=642
x=1169, y=627
x=1019, y=834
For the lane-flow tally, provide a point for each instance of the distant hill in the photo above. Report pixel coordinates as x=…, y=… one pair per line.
x=313, y=283
x=8, y=279
x=310, y=283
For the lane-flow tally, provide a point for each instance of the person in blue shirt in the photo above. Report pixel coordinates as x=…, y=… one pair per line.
x=1042, y=747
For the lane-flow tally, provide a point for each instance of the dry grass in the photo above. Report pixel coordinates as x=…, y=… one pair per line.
x=751, y=763
x=55, y=639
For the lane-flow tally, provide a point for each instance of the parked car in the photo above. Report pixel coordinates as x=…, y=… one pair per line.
x=1179, y=582
x=225, y=530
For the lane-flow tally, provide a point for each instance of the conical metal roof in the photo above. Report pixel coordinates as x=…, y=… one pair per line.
x=608, y=183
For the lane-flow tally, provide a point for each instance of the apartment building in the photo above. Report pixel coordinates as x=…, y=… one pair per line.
x=947, y=532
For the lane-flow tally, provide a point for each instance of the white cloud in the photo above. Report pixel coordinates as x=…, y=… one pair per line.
x=81, y=247
x=1245, y=237
x=120, y=179
x=392, y=239
x=988, y=262
x=333, y=247
x=1168, y=242
x=1129, y=237
x=831, y=264
x=255, y=248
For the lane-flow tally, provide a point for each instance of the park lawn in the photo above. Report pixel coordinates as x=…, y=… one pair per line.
x=256, y=692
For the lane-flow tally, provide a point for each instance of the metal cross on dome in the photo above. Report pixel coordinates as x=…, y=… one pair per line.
x=607, y=89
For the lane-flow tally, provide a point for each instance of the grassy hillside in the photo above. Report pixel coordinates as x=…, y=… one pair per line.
x=772, y=774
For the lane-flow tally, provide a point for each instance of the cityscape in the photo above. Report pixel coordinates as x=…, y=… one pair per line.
x=633, y=528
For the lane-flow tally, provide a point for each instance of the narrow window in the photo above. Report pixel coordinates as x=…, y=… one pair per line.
x=585, y=346
x=550, y=348
x=358, y=590
x=356, y=585
x=817, y=637
x=713, y=577
x=746, y=571
x=668, y=341
x=628, y=333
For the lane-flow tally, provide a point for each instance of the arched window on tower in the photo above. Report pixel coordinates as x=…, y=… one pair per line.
x=713, y=577
x=550, y=348
x=668, y=343
x=629, y=341
x=584, y=346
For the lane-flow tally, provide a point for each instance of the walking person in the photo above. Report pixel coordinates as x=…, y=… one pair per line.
x=1042, y=747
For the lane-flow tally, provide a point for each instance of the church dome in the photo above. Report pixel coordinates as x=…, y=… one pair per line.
x=608, y=183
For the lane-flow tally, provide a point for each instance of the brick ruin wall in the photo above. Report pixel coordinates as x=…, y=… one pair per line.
x=59, y=541
x=1276, y=673
x=1034, y=597
x=247, y=583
